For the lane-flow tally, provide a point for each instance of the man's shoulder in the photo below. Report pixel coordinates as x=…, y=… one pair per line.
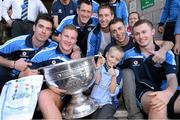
x=43, y=53
x=19, y=39
x=170, y=57
x=69, y=18
x=46, y=51
x=97, y=30
x=94, y=20
x=132, y=53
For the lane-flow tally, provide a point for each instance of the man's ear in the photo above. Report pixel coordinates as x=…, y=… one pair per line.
x=77, y=10
x=112, y=17
x=107, y=53
x=59, y=37
x=153, y=31
x=34, y=27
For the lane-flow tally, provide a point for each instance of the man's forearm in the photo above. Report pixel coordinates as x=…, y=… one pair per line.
x=166, y=45
x=177, y=41
x=7, y=63
x=172, y=83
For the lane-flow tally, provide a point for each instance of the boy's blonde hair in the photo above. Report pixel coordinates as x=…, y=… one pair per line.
x=117, y=48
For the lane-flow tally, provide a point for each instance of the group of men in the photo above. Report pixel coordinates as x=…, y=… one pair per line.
x=149, y=64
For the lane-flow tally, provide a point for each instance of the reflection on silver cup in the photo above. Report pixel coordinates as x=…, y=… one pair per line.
x=73, y=76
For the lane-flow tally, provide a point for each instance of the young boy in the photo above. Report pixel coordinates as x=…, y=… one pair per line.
x=107, y=84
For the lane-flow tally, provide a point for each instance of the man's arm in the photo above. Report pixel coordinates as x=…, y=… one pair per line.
x=19, y=64
x=164, y=16
x=159, y=56
x=177, y=35
x=7, y=63
x=172, y=84
x=55, y=19
x=177, y=45
x=5, y=8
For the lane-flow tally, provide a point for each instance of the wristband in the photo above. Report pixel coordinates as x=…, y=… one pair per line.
x=14, y=64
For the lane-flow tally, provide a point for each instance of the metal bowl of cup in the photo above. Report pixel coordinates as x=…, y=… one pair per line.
x=74, y=76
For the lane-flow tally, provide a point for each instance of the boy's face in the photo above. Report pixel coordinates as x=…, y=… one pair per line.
x=84, y=13
x=105, y=17
x=113, y=58
x=118, y=31
x=42, y=30
x=143, y=35
x=133, y=18
x=68, y=39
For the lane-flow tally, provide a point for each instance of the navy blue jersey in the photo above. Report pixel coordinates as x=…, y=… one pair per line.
x=63, y=10
x=145, y=69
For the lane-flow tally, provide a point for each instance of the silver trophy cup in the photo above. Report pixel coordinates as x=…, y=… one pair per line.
x=74, y=76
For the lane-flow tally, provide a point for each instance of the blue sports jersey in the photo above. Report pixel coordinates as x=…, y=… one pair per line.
x=22, y=47
x=49, y=57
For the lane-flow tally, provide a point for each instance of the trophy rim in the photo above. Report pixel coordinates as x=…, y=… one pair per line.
x=68, y=62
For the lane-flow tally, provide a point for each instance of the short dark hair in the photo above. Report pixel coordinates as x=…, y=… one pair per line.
x=44, y=16
x=105, y=5
x=116, y=20
x=88, y=2
x=140, y=22
x=135, y=13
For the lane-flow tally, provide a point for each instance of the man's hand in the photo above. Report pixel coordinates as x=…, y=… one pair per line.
x=159, y=56
x=177, y=49
x=21, y=64
x=161, y=29
x=76, y=52
x=9, y=22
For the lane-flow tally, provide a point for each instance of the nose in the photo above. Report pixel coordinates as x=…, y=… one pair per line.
x=68, y=39
x=140, y=35
x=113, y=62
x=44, y=30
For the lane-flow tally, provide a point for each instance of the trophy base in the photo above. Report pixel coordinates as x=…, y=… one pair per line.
x=79, y=109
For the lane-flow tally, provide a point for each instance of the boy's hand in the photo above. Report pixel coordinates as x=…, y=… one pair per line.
x=101, y=60
x=112, y=71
